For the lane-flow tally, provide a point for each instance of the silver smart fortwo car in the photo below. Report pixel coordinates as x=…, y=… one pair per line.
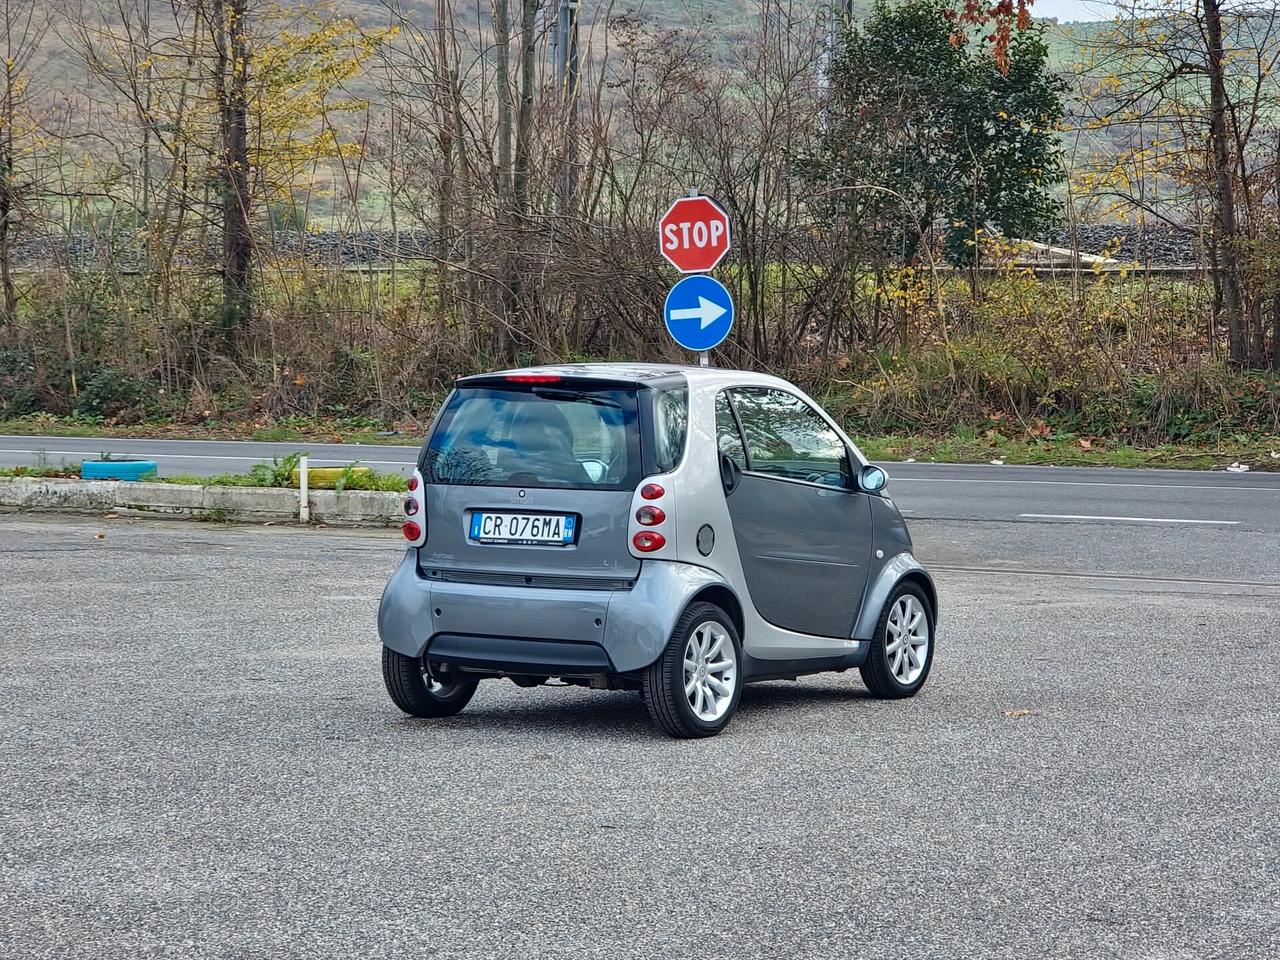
x=679, y=531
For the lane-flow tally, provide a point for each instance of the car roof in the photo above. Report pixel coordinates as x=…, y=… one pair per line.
x=698, y=378
x=637, y=373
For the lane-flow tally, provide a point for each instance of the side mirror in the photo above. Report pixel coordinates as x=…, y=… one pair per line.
x=871, y=479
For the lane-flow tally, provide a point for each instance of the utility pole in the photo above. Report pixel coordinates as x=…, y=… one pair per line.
x=839, y=13
x=568, y=71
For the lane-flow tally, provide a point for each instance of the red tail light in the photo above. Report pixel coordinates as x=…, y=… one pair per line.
x=647, y=541
x=652, y=491
x=413, y=483
x=412, y=532
x=532, y=378
x=650, y=516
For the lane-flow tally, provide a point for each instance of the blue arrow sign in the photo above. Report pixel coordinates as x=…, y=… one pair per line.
x=699, y=313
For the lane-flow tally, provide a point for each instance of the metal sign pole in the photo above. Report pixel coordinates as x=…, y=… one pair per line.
x=703, y=359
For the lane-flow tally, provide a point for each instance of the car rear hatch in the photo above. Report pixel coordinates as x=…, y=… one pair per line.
x=529, y=480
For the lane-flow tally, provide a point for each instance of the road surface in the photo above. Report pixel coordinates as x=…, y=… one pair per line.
x=940, y=491
x=199, y=760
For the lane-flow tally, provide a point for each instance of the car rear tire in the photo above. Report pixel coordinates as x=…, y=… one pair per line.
x=901, y=651
x=693, y=689
x=418, y=694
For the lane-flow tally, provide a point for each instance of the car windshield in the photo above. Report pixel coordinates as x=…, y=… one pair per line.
x=545, y=435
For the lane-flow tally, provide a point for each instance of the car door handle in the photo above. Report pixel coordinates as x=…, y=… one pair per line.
x=730, y=474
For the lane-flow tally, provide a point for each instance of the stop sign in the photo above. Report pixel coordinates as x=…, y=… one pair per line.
x=694, y=234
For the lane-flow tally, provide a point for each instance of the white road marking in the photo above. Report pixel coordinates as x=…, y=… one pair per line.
x=1088, y=483
x=1083, y=575
x=1077, y=516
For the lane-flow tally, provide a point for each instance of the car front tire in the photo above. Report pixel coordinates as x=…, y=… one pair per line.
x=693, y=689
x=417, y=693
x=901, y=653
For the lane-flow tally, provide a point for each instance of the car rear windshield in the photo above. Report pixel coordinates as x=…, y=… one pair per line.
x=538, y=436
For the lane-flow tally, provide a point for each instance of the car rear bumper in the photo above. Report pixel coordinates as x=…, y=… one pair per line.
x=534, y=629
x=507, y=655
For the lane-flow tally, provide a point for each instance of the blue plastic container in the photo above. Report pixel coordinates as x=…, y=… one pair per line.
x=117, y=469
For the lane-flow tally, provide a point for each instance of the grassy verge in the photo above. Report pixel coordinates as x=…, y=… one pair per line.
x=370, y=480
x=68, y=473
x=1263, y=454
x=295, y=430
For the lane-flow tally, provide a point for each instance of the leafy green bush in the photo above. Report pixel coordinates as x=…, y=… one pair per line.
x=277, y=473
x=351, y=479
x=19, y=395
x=38, y=471
x=110, y=393
x=1029, y=361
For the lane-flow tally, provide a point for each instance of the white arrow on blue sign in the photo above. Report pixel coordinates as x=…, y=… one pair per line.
x=699, y=313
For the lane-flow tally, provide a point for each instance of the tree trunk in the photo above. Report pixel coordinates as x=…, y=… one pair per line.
x=569, y=75
x=519, y=208
x=1275, y=276
x=230, y=17
x=144, y=154
x=6, y=268
x=8, y=110
x=502, y=43
x=1275, y=330
x=444, y=213
x=524, y=119
x=1224, y=198
x=508, y=269
x=463, y=171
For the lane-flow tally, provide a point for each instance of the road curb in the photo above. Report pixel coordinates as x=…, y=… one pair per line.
x=374, y=508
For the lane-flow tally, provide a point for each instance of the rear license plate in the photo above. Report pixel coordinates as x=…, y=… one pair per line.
x=549, y=528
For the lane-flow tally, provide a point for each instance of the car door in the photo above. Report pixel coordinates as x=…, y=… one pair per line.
x=802, y=528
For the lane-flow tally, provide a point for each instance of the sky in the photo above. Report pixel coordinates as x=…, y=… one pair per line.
x=1073, y=9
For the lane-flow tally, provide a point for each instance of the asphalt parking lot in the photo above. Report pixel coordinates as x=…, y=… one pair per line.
x=199, y=760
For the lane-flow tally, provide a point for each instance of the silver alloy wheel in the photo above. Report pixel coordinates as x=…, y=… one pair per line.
x=907, y=640
x=710, y=671
x=434, y=686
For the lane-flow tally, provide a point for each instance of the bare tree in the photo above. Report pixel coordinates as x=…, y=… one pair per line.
x=23, y=24
x=1182, y=94
x=1224, y=203
x=229, y=25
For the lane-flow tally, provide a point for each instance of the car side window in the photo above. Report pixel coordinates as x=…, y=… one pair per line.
x=671, y=411
x=788, y=438
x=728, y=439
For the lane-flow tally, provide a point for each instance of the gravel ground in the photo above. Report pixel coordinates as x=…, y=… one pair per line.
x=199, y=761
x=1154, y=245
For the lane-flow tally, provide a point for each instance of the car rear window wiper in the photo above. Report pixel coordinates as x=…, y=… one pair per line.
x=577, y=396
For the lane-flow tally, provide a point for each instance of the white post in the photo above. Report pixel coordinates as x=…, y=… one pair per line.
x=304, y=497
